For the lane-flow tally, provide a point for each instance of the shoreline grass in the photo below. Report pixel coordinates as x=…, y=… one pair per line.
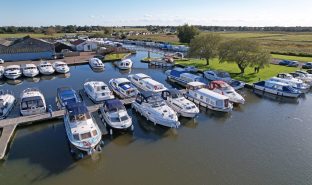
x=248, y=77
x=115, y=56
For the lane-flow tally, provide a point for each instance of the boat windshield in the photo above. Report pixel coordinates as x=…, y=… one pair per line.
x=32, y=102
x=100, y=88
x=156, y=101
x=86, y=135
x=190, y=107
x=29, y=68
x=79, y=117
x=119, y=119
x=45, y=65
x=11, y=69
x=60, y=65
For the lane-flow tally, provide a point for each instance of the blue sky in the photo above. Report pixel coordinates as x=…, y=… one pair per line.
x=156, y=12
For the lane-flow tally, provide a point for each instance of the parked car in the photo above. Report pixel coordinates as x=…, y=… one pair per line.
x=307, y=65
x=1, y=61
x=284, y=62
x=217, y=75
x=293, y=64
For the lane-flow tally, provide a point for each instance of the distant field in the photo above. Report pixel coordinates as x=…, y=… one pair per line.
x=34, y=35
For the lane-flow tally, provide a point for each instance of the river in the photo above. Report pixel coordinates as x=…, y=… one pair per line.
x=265, y=141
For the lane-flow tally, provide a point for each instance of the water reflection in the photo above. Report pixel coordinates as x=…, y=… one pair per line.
x=276, y=98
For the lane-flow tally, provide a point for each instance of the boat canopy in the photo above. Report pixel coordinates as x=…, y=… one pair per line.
x=174, y=93
x=78, y=108
x=67, y=94
x=113, y=105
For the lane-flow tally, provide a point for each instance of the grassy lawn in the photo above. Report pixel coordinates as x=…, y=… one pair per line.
x=113, y=57
x=287, y=57
x=249, y=76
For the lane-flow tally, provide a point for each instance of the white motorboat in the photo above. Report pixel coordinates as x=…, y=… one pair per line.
x=46, y=68
x=124, y=64
x=146, y=83
x=13, y=72
x=7, y=102
x=303, y=77
x=236, y=84
x=154, y=108
x=123, y=88
x=30, y=70
x=225, y=89
x=32, y=102
x=115, y=116
x=96, y=63
x=198, y=93
x=180, y=104
x=81, y=129
x=295, y=83
x=277, y=88
x=60, y=67
x=98, y=91
x=182, y=77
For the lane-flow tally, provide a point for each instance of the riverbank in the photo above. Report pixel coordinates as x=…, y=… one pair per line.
x=116, y=57
x=249, y=77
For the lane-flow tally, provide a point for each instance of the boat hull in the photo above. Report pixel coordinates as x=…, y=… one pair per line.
x=275, y=92
x=204, y=104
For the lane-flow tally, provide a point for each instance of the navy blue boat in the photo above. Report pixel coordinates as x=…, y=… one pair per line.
x=66, y=95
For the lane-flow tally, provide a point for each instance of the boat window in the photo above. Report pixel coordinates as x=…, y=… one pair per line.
x=34, y=102
x=94, y=132
x=76, y=136
x=114, y=119
x=201, y=97
x=85, y=136
x=219, y=103
x=123, y=118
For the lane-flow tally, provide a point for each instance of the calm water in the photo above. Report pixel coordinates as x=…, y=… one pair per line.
x=265, y=141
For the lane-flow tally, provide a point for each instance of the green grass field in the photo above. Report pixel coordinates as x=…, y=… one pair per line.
x=295, y=58
x=114, y=57
x=249, y=76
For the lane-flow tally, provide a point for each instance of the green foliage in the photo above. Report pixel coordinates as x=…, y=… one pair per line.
x=249, y=76
x=205, y=46
x=244, y=53
x=186, y=33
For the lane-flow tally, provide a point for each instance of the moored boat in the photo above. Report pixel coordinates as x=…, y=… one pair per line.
x=124, y=64
x=154, y=108
x=46, y=68
x=180, y=104
x=115, y=116
x=198, y=93
x=146, y=83
x=123, y=88
x=96, y=63
x=32, y=102
x=30, y=70
x=98, y=91
x=12, y=72
x=66, y=95
x=295, y=83
x=277, y=88
x=225, y=89
x=7, y=102
x=182, y=77
x=60, y=67
x=81, y=129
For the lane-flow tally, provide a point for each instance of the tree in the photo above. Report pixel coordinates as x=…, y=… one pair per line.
x=186, y=33
x=244, y=53
x=107, y=30
x=50, y=31
x=205, y=46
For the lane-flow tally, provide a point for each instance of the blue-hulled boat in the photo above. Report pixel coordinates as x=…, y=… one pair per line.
x=66, y=95
x=182, y=76
x=277, y=88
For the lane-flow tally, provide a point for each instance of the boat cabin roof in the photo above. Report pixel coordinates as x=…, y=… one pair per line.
x=28, y=65
x=97, y=83
x=12, y=67
x=196, y=84
x=205, y=91
x=77, y=108
x=189, y=75
x=113, y=105
x=127, y=60
x=174, y=92
x=276, y=83
x=59, y=62
x=141, y=75
x=220, y=83
x=121, y=80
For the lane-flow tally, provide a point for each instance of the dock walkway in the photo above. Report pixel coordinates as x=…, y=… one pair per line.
x=9, y=125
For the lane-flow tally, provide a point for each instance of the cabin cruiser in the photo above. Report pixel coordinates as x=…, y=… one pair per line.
x=302, y=77
x=1, y=71
x=81, y=129
x=124, y=64
x=182, y=77
x=98, y=91
x=32, y=102
x=96, y=63
x=191, y=69
x=123, y=88
x=46, y=68
x=295, y=83
x=180, y=104
x=305, y=73
x=7, y=102
x=217, y=75
x=13, y=72
x=277, y=88
x=198, y=93
x=30, y=70
x=60, y=67
x=236, y=84
x=146, y=83
x=115, y=116
x=66, y=95
x=154, y=108
x=225, y=89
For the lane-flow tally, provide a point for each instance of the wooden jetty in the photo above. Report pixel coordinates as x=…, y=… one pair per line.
x=8, y=126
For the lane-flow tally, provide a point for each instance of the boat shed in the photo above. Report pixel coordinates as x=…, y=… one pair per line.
x=26, y=48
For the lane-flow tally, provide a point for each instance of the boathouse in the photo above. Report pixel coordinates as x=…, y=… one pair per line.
x=26, y=48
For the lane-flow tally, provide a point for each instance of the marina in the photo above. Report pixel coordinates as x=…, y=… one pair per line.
x=220, y=138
